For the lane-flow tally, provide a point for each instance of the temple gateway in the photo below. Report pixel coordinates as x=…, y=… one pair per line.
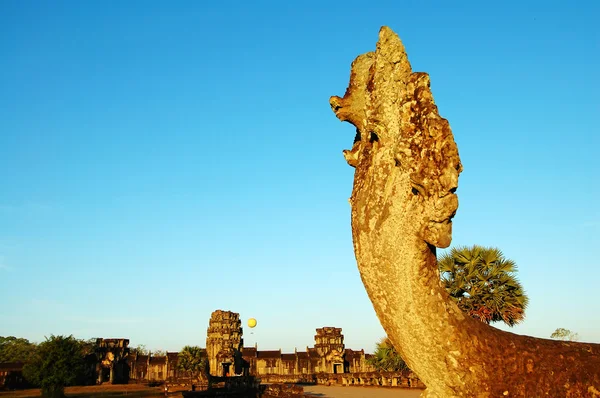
x=227, y=355
x=112, y=361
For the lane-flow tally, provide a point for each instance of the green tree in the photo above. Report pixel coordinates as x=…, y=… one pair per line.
x=564, y=334
x=140, y=350
x=386, y=358
x=483, y=284
x=159, y=353
x=14, y=349
x=58, y=362
x=192, y=359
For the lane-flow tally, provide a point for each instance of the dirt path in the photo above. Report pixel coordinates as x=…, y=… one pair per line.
x=142, y=391
x=360, y=392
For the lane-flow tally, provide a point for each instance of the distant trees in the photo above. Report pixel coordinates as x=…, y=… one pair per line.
x=564, y=334
x=483, y=284
x=62, y=361
x=386, y=358
x=140, y=350
x=192, y=361
x=57, y=362
x=14, y=349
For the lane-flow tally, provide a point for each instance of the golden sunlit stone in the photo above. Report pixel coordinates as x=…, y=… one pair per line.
x=403, y=201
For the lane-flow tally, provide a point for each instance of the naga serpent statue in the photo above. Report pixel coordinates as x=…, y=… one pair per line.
x=403, y=201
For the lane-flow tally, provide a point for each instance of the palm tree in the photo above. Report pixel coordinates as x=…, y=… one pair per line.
x=192, y=359
x=483, y=284
x=386, y=358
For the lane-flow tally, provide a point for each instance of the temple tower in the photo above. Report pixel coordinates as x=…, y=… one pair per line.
x=223, y=342
x=329, y=343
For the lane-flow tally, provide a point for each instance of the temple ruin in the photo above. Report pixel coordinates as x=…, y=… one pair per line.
x=227, y=356
x=111, y=360
x=224, y=343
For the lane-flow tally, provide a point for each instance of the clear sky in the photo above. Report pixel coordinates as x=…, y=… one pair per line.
x=160, y=161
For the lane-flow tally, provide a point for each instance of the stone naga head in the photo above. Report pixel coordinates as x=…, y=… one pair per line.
x=406, y=160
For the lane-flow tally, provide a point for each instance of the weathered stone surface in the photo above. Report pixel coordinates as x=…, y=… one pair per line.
x=223, y=341
x=403, y=201
x=283, y=391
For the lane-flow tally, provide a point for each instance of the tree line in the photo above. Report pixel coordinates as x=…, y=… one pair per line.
x=57, y=362
x=62, y=361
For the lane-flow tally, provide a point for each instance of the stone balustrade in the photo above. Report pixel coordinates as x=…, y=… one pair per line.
x=405, y=379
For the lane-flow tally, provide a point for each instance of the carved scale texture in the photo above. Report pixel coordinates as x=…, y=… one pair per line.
x=403, y=200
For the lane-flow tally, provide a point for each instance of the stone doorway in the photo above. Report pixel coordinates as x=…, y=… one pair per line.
x=338, y=368
x=226, y=366
x=105, y=375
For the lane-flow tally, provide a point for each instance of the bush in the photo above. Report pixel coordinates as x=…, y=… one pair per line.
x=57, y=362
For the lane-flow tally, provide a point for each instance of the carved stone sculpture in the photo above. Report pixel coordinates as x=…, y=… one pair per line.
x=403, y=202
x=223, y=341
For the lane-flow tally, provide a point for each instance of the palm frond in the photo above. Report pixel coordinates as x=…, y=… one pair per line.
x=483, y=283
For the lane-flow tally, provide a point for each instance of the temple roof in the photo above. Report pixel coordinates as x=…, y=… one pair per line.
x=268, y=354
x=313, y=353
x=249, y=351
x=158, y=360
x=142, y=358
x=288, y=357
x=350, y=353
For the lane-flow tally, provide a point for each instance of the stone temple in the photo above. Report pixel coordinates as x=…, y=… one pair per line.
x=113, y=362
x=227, y=355
x=224, y=343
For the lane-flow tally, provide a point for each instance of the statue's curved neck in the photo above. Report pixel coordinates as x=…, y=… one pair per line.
x=402, y=280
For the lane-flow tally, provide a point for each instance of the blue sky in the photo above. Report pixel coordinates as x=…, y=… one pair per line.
x=159, y=161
